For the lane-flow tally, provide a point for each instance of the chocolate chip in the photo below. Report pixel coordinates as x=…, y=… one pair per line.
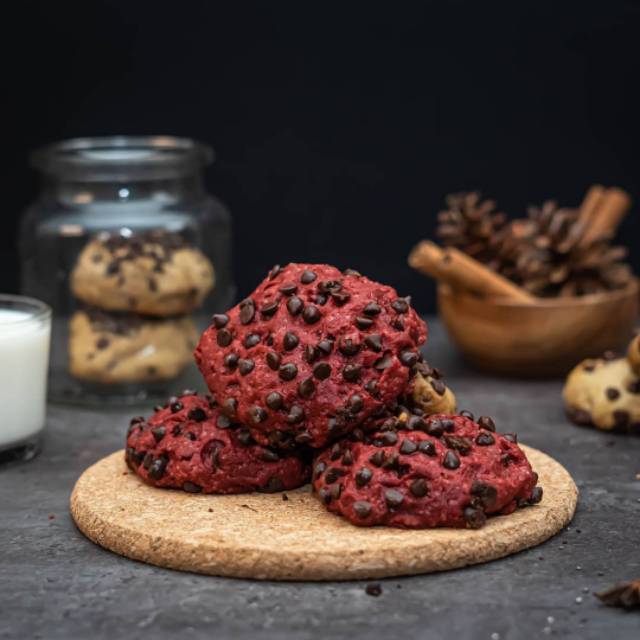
x=486, y=493
x=322, y=370
x=295, y=415
x=330, y=286
x=275, y=270
x=400, y=305
x=419, y=488
x=231, y=360
x=398, y=325
x=251, y=340
x=485, y=422
x=295, y=305
x=363, y=323
x=340, y=297
x=408, y=447
x=372, y=309
x=371, y=387
x=270, y=308
x=157, y=468
x=290, y=341
x=389, y=438
x=230, y=407
x=311, y=314
x=223, y=422
x=224, y=337
x=347, y=458
x=536, y=495
x=245, y=366
x=274, y=400
x=383, y=363
x=362, y=509
x=306, y=388
x=351, y=272
x=333, y=474
x=247, y=311
x=258, y=415
x=267, y=455
x=244, y=437
x=288, y=371
x=511, y=437
x=176, y=406
x=197, y=414
x=304, y=437
x=439, y=387
x=416, y=423
x=467, y=414
x=393, y=498
x=377, y=458
x=374, y=342
x=288, y=289
x=158, y=433
x=319, y=469
x=273, y=360
x=336, y=490
x=307, y=276
x=325, y=495
x=485, y=440
x=474, y=518
x=102, y=343
x=634, y=387
x=409, y=358
x=459, y=443
x=326, y=346
x=351, y=372
x=363, y=475
x=334, y=426
x=427, y=447
x=273, y=486
x=311, y=354
x=612, y=394
x=191, y=487
x=434, y=427
x=451, y=460
x=621, y=418
x=355, y=403
x=392, y=461
x=348, y=347
x=190, y=436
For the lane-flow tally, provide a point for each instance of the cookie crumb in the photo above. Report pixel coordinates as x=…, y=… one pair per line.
x=373, y=589
x=285, y=497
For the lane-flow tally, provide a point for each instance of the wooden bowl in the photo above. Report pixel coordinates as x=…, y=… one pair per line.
x=547, y=338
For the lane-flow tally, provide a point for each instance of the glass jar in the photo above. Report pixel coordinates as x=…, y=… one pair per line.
x=133, y=256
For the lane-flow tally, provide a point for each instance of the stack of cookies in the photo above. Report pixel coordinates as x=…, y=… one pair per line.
x=318, y=376
x=137, y=293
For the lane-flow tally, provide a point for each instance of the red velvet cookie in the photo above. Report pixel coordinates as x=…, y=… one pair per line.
x=310, y=354
x=420, y=472
x=188, y=444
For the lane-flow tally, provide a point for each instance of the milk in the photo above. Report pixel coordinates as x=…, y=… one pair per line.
x=24, y=360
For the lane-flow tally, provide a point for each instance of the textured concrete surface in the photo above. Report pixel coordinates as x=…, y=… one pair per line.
x=56, y=584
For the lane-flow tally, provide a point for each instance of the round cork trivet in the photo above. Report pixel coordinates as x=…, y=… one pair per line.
x=268, y=536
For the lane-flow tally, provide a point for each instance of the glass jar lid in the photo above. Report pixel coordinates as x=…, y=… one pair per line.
x=122, y=158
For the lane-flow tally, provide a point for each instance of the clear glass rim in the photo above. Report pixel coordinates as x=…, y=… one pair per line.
x=36, y=309
x=122, y=157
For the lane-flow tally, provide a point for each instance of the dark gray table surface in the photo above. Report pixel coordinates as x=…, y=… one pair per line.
x=56, y=584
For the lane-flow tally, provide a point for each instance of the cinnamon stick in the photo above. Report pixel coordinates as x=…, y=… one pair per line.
x=460, y=271
x=603, y=221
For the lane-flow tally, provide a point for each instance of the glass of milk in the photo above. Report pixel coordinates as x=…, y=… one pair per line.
x=25, y=328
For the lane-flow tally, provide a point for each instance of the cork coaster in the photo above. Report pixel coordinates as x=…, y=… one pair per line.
x=264, y=536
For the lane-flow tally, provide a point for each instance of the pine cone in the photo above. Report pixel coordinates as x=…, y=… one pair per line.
x=469, y=224
x=541, y=254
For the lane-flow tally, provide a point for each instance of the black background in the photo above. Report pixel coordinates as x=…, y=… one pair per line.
x=338, y=127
